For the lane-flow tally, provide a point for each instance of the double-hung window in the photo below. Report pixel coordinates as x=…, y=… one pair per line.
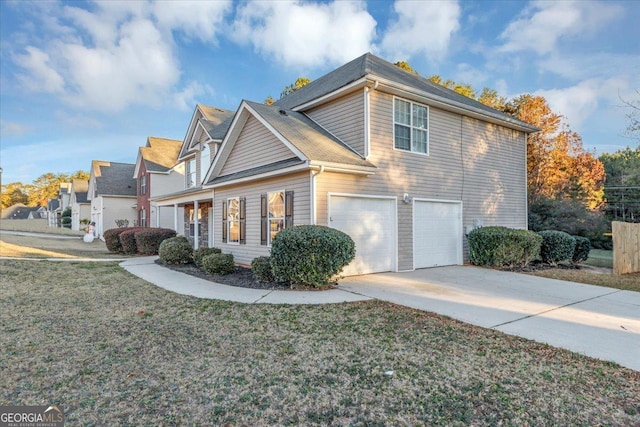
x=191, y=173
x=143, y=218
x=233, y=220
x=276, y=213
x=143, y=184
x=410, y=126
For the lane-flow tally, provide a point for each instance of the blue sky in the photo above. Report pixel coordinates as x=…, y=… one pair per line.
x=92, y=80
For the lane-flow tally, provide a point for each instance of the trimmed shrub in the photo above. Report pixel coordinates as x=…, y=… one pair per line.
x=556, y=246
x=218, y=264
x=112, y=239
x=310, y=255
x=261, y=269
x=148, y=240
x=200, y=253
x=176, y=250
x=582, y=249
x=497, y=246
x=128, y=240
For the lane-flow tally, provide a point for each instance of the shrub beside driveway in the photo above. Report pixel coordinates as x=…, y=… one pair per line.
x=108, y=346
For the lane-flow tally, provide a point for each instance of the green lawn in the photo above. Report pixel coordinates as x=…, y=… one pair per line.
x=113, y=349
x=600, y=258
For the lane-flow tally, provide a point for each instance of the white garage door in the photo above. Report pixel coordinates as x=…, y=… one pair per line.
x=371, y=223
x=437, y=233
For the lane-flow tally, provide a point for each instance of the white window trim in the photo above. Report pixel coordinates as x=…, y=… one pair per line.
x=229, y=242
x=143, y=184
x=393, y=120
x=189, y=172
x=284, y=216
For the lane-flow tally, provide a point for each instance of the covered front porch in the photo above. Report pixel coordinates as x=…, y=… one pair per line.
x=192, y=215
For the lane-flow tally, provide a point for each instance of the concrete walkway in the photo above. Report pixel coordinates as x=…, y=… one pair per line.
x=147, y=269
x=599, y=322
x=43, y=235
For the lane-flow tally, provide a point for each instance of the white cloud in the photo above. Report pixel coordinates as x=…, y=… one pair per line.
x=188, y=97
x=577, y=103
x=544, y=23
x=8, y=128
x=41, y=76
x=305, y=34
x=467, y=73
x=198, y=19
x=421, y=28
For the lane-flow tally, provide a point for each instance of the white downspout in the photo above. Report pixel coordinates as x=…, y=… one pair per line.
x=367, y=118
x=175, y=217
x=314, y=214
x=196, y=223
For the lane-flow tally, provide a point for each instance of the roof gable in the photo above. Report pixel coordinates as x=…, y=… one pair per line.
x=306, y=140
x=212, y=120
x=371, y=67
x=112, y=178
x=159, y=155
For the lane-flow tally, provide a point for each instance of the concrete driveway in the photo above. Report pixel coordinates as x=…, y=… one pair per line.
x=599, y=322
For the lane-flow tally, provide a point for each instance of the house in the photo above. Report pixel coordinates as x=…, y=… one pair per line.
x=157, y=172
x=53, y=210
x=55, y=207
x=21, y=211
x=404, y=166
x=38, y=213
x=112, y=193
x=80, y=205
x=192, y=204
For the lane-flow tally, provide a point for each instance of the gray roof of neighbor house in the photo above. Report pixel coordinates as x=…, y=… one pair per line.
x=18, y=211
x=114, y=178
x=315, y=142
x=160, y=154
x=369, y=65
x=53, y=204
x=217, y=131
x=80, y=188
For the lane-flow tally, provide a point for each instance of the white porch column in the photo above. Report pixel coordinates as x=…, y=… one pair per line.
x=175, y=217
x=196, y=222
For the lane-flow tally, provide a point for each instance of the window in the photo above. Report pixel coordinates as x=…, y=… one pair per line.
x=205, y=160
x=191, y=173
x=233, y=221
x=411, y=126
x=143, y=184
x=192, y=222
x=276, y=214
x=142, y=218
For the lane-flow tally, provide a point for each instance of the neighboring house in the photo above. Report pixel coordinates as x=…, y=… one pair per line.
x=20, y=211
x=192, y=204
x=38, y=213
x=80, y=205
x=404, y=166
x=112, y=193
x=53, y=210
x=55, y=207
x=157, y=172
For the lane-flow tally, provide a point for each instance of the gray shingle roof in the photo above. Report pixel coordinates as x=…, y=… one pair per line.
x=373, y=66
x=160, y=154
x=316, y=143
x=257, y=170
x=115, y=179
x=18, y=211
x=217, y=131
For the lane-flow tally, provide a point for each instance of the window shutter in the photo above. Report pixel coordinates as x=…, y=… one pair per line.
x=288, y=209
x=224, y=222
x=264, y=220
x=243, y=237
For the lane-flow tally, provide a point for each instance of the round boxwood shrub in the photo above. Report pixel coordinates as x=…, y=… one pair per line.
x=261, y=269
x=556, y=246
x=497, y=246
x=582, y=249
x=176, y=250
x=310, y=255
x=148, y=240
x=200, y=253
x=218, y=264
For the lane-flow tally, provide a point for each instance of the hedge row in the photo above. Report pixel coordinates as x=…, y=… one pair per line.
x=136, y=240
x=502, y=246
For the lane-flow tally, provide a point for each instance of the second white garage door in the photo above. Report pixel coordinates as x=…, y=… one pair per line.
x=437, y=233
x=371, y=223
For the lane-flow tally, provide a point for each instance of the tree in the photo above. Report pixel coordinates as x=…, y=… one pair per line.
x=633, y=129
x=14, y=192
x=622, y=192
x=491, y=98
x=405, y=66
x=269, y=100
x=462, y=88
x=299, y=83
x=557, y=165
x=47, y=185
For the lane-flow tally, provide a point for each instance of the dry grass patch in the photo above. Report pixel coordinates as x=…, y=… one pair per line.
x=44, y=247
x=629, y=282
x=109, y=346
x=36, y=226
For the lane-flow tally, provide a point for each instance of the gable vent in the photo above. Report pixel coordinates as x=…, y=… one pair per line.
x=283, y=113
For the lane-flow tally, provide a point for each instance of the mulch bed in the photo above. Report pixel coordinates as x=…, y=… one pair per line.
x=242, y=277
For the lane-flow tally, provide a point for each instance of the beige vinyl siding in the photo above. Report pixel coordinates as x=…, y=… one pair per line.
x=255, y=146
x=480, y=164
x=244, y=254
x=344, y=118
